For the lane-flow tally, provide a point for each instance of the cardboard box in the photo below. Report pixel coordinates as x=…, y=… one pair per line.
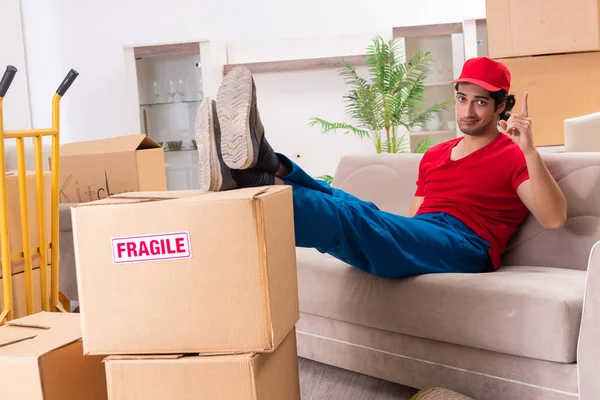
x=237, y=377
x=518, y=28
x=18, y=291
x=202, y=273
x=41, y=358
x=14, y=215
x=560, y=87
x=99, y=168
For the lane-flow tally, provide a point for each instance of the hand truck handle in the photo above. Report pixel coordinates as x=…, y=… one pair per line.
x=67, y=82
x=7, y=79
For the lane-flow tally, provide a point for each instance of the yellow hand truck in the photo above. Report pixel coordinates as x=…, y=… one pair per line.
x=55, y=301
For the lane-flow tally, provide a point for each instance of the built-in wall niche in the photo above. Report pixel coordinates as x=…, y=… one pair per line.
x=445, y=43
x=170, y=89
x=437, y=86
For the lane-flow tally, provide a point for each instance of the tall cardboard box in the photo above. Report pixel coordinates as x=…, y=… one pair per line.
x=267, y=376
x=96, y=169
x=14, y=215
x=560, y=87
x=534, y=27
x=41, y=357
x=195, y=273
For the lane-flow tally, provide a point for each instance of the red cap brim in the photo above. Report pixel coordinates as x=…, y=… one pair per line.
x=478, y=82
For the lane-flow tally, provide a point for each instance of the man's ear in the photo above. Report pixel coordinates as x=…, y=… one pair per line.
x=501, y=107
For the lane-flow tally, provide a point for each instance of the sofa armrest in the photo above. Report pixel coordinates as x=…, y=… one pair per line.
x=588, y=349
x=581, y=133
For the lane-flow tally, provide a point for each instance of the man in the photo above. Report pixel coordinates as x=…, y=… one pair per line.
x=473, y=192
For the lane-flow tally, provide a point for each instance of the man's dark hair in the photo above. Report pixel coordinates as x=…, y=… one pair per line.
x=498, y=98
x=501, y=96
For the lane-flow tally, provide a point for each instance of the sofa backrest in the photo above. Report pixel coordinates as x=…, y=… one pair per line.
x=389, y=180
x=578, y=176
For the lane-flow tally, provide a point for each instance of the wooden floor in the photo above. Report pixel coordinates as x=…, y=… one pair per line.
x=324, y=382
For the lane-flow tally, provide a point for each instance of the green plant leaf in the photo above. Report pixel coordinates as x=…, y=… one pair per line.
x=396, y=145
x=326, y=178
x=427, y=114
x=332, y=126
x=424, y=145
x=392, y=97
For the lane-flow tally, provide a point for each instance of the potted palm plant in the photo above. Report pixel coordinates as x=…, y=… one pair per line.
x=384, y=107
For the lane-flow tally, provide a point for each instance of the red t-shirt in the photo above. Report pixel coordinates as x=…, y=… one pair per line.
x=479, y=189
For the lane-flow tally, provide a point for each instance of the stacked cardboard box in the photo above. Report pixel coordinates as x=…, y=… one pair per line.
x=191, y=294
x=41, y=357
x=97, y=169
x=15, y=238
x=552, y=49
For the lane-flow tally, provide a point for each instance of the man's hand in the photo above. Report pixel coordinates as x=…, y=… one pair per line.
x=540, y=193
x=518, y=127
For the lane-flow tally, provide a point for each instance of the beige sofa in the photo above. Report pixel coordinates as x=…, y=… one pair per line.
x=531, y=330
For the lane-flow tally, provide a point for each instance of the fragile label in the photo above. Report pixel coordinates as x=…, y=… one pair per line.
x=159, y=247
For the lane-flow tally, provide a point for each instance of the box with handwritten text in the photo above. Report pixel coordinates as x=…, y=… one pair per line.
x=96, y=169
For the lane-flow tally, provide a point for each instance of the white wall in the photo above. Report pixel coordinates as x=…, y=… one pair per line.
x=12, y=52
x=288, y=100
x=91, y=36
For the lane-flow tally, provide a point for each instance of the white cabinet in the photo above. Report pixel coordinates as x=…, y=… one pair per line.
x=170, y=88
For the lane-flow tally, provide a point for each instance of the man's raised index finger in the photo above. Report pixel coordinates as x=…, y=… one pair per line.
x=525, y=111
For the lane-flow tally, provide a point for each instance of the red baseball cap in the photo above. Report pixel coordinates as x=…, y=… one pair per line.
x=487, y=73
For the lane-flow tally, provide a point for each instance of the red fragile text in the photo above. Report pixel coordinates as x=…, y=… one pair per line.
x=151, y=247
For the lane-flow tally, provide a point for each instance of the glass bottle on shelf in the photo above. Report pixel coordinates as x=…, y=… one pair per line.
x=181, y=90
x=172, y=91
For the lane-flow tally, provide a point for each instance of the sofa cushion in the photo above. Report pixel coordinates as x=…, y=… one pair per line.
x=521, y=310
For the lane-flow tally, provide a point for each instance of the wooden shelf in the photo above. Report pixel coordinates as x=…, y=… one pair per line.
x=427, y=30
x=170, y=103
x=167, y=150
x=306, y=64
x=178, y=49
x=356, y=60
x=433, y=30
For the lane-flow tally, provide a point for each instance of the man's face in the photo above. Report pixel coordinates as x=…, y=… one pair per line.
x=475, y=109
